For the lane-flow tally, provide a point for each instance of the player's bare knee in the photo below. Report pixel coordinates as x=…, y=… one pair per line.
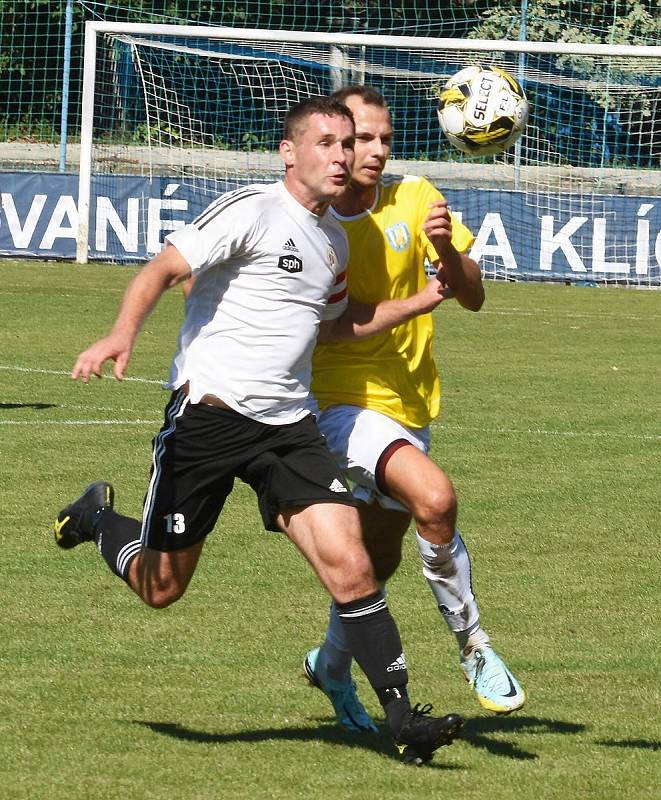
x=358, y=577
x=353, y=577
x=161, y=593
x=161, y=599
x=438, y=513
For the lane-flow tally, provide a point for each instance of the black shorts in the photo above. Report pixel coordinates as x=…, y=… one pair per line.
x=201, y=449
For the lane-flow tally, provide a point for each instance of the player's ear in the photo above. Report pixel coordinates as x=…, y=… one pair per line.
x=287, y=152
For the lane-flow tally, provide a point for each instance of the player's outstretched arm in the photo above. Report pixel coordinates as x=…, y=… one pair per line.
x=361, y=320
x=167, y=269
x=455, y=270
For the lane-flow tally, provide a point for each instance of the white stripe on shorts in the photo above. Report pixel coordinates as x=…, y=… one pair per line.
x=177, y=409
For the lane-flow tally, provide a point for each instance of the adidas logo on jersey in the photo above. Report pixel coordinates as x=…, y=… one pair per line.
x=336, y=486
x=398, y=664
x=289, y=245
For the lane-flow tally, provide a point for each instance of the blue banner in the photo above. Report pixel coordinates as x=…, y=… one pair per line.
x=130, y=216
x=518, y=236
x=563, y=237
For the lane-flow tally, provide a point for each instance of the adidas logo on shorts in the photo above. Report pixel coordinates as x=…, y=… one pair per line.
x=336, y=486
x=397, y=664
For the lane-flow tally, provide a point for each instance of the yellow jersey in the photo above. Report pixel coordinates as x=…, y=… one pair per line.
x=393, y=372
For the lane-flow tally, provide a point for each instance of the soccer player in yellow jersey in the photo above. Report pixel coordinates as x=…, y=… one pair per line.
x=377, y=397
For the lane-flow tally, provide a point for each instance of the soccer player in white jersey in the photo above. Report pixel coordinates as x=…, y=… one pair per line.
x=269, y=266
x=378, y=396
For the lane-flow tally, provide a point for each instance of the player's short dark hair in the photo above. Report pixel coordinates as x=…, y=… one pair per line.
x=298, y=114
x=369, y=95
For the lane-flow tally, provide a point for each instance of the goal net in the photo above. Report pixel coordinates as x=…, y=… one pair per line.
x=186, y=113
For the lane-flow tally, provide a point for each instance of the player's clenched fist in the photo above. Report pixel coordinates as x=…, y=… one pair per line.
x=438, y=225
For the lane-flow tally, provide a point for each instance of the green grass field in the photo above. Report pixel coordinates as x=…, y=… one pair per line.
x=551, y=431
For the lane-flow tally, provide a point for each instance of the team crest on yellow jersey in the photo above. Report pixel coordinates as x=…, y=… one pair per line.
x=398, y=236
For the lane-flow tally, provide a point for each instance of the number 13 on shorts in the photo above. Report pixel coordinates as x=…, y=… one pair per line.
x=175, y=523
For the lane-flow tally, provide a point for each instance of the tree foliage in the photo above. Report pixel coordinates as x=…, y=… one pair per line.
x=622, y=22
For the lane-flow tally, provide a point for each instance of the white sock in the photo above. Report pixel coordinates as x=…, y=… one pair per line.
x=448, y=572
x=471, y=638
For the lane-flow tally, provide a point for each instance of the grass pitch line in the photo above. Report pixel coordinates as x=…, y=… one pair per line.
x=101, y=409
x=654, y=437
x=150, y=422
x=449, y=428
x=569, y=315
x=15, y=368
x=111, y=409
x=19, y=289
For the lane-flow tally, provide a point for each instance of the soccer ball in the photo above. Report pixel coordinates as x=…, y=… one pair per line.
x=482, y=110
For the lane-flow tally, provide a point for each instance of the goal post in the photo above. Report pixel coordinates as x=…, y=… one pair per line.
x=194, y=111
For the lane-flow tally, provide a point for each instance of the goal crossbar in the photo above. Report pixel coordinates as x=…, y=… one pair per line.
x=202, y=106
x=376, y=40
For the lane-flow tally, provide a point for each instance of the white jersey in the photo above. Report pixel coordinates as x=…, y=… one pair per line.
x=266, y=271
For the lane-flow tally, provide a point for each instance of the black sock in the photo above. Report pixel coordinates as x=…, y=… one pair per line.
x=118, y=540
x=396, y=704
x=374, y=642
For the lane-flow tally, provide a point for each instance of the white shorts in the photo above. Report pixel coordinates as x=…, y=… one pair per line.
x=361, y=441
